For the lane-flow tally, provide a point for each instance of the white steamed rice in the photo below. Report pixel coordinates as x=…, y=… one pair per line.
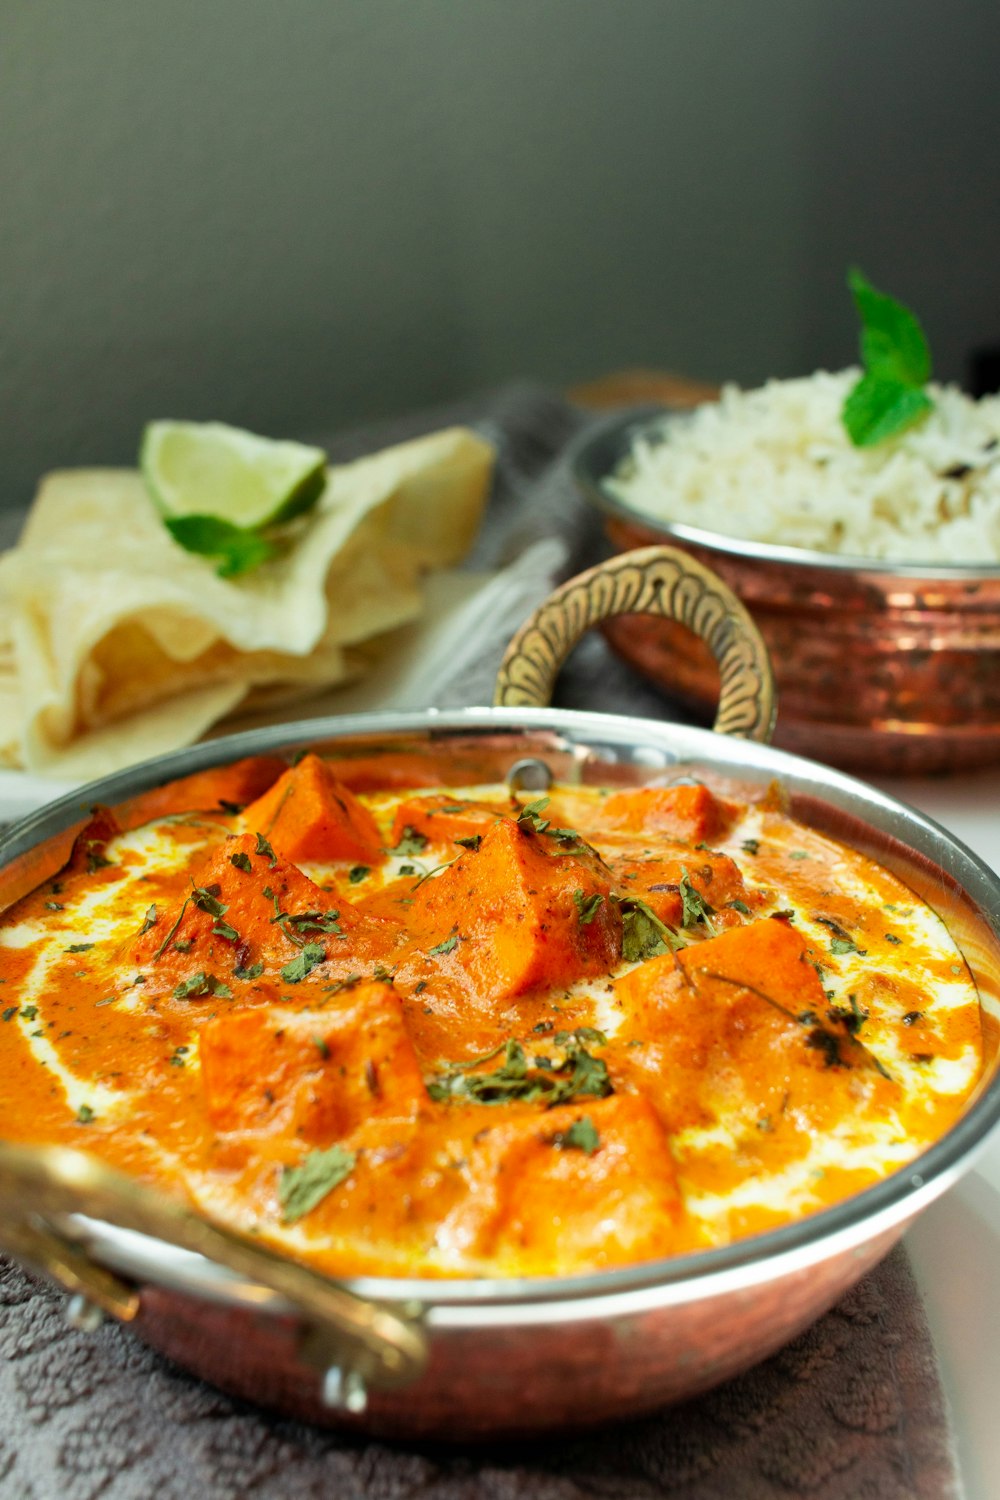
x=776, y=465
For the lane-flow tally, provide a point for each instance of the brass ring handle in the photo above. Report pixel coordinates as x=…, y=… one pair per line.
x=657, y=581
x=375, y=1344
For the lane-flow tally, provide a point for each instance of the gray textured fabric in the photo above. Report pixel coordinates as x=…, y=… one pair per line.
x=852, y=1410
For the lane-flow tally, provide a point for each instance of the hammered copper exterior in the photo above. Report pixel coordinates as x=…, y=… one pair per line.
x=878, y=667
x=522, y=1379
x=874, y=671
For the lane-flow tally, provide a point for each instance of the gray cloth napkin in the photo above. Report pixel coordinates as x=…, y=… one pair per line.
x=534, y=498
x=852, y=1410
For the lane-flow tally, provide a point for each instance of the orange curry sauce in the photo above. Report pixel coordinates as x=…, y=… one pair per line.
x=455, y=1032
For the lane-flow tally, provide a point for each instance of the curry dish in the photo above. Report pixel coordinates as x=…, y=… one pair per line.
x=446, y=1031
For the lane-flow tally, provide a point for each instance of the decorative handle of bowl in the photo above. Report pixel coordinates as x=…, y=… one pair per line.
x=653, y=581
x=356, y=1344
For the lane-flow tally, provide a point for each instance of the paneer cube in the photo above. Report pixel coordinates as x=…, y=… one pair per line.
x=658, y=880
x=442, y=819
x=311, y=1075
x=691, y=814
x=740, y=1025
x=308, y=815
x=249, y=909
x=769, y=958
x=577, y=1187
x=517, y=913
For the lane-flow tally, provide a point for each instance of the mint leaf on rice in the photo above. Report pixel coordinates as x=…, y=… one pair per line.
x=889, y=397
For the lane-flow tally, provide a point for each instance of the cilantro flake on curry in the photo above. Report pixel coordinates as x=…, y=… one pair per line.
x=446, y=1031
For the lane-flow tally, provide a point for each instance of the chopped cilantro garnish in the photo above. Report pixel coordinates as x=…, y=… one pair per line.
x=264, y=848
x=411, y=841
x=302, y=1188
x=579, y=1073
x=581, y=1136
x=304, y=963
x=530, y=815
x=695, y=908
x=358, y=873
x=167, y=940
x=339, y=985
x=587, y=907
x=643, y=934
x=202, y=984
x=579, y=1035
x=447, y=946
x=252, y=971
x=852, y=1019
x=206, y=900
x=242, y=861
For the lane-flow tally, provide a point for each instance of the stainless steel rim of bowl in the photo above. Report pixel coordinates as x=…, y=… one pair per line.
x=599, y=450
x=605, y=739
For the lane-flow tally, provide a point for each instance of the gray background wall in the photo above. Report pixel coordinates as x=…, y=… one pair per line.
x=298, y=215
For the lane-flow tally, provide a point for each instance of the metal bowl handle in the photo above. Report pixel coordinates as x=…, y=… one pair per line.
x=653, y=581
x=357, y=1344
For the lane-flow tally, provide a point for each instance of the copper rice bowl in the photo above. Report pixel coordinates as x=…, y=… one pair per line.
x=880, y=666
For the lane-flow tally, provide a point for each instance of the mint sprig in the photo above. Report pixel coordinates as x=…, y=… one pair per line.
x=236, y=548
x=890, y=395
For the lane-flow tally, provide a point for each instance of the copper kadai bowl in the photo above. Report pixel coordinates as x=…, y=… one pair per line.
x=470, y=1359
x=880, y=666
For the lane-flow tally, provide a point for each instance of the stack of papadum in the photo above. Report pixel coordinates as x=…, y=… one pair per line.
x=116, y=644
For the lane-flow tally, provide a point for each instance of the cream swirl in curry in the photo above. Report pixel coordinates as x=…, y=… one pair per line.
x=450, y=1031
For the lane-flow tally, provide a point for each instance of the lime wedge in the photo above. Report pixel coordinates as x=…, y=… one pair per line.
x=210, y=469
